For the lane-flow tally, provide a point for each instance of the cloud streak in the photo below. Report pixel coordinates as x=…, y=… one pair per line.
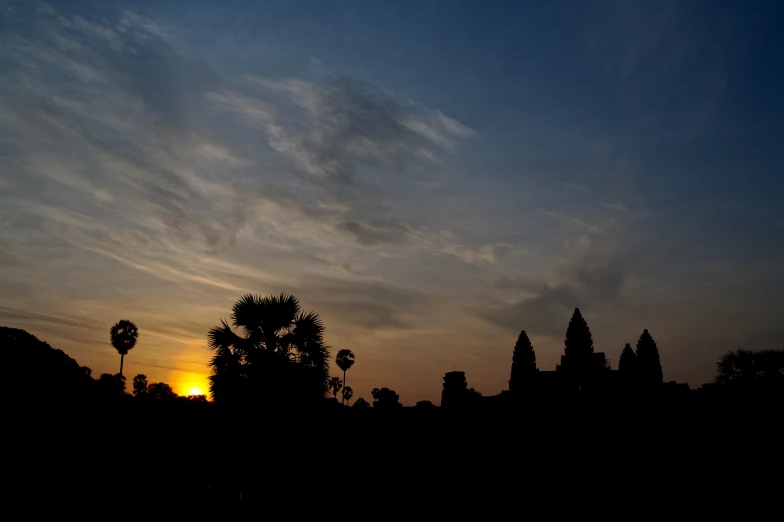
x=155, y=169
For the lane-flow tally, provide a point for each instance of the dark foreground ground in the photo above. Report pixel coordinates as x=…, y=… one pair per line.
x=544, y=460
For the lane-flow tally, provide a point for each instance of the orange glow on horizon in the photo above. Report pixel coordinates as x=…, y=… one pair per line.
x=188, y=383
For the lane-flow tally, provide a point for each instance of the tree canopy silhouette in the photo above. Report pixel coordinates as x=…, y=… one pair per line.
x=752, y=370
x=385, y=398
x=160, y=391
x=335, y=384
x=649, y=369
x=361, y=403
x=348, y=393
x=280, y=356
x=112, y=385
x=140, y=385
x=523, y=363
x=57, y=375
x=345, y=360
x=124, y=335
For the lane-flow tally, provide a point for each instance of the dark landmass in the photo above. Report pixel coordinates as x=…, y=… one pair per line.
x=75, y=443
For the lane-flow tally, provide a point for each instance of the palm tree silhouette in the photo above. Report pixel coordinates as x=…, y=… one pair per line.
x=124, y=335
x=281, y=351
x=347, y=394
x=345, y=360
x=335, y=384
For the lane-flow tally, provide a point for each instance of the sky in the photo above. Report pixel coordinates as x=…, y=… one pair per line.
x=430, y=177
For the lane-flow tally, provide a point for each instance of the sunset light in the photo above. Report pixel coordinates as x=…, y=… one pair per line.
x=335, y=257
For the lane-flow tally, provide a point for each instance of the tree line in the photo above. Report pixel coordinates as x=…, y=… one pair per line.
x=273, y=353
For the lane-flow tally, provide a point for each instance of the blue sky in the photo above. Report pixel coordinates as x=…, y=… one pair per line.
x=431, y=177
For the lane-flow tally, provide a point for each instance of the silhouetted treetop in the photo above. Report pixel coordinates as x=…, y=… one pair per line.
x=335, y=384
x=578, y=343
x=523, y=362
x=628, y=360
x=649, y=369
x=57, y=375
x=140, y=385
x=345, y=360
x=347, y=393
x=751, y=369
x=160, y=391
x=111, y=385
x=123, y=336
x=281, y=355
x=361, y=403
x=385, y=398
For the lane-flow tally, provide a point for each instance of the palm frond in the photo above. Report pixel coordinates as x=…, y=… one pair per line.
x=225, y=361
x=315, y=356
x=308, y=325
x=280, y=353
x=246, y=313
x=123, y=336
x=221, y=336
x=344, y=359
x=278, y=313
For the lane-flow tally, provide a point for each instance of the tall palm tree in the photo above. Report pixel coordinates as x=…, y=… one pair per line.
x=345, y=360
x=280, y=347
x=347, y=393
x=335, y=384
x=124, y=335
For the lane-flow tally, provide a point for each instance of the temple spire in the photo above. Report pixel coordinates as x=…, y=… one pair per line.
x=523, y=363
x=578, y=343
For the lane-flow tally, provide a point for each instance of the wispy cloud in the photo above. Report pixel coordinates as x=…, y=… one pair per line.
x=153, y=170
x=615, y=206
x=117, y=163
x=576, y=187
x=347, y=125
x=593, y=229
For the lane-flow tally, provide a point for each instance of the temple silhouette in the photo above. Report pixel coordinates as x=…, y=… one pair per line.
x=582, y=374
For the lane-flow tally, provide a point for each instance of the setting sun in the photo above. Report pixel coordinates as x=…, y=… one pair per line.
x=195, y=391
